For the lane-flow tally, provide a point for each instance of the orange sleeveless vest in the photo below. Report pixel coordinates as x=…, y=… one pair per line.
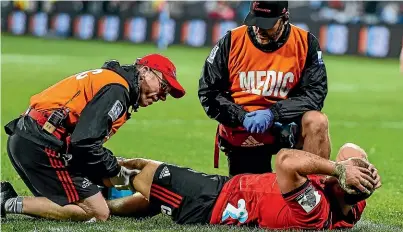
x=77, y=90
x=259, y=79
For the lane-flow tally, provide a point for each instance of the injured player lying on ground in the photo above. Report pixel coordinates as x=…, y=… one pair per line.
x=306, y=192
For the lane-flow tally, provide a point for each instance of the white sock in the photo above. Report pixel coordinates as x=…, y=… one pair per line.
x=14, y=205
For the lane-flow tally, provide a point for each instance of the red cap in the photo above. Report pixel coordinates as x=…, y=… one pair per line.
x=168, y=70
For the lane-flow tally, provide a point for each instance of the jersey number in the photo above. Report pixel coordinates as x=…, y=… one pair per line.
x=85, y=74
x=240, y=213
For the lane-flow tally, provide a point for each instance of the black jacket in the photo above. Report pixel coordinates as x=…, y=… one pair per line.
x=94, y=124
x=214, y=83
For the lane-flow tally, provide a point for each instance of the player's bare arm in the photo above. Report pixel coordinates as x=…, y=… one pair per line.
x=293, y=166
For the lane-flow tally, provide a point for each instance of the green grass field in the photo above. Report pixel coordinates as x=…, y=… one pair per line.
x=364, y=106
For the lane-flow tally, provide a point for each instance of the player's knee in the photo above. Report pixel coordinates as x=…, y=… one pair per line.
x=86, y=214
x=100, y=212
x=102, y=215
x=95, y=207
x=315, y=122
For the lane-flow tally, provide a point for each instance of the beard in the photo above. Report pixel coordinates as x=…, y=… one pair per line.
x=264, y=37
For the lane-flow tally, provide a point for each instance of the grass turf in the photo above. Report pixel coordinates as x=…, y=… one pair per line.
x=364, y=106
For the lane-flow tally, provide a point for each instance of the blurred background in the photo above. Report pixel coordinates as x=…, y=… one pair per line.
x=370, y=12
x=370, y=28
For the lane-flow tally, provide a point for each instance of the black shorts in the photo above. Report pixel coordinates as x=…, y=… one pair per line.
x=184, y=194
x=46, y=173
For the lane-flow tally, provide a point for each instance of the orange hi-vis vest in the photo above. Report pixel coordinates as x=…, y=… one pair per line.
x=259, y=79
x=77, y=90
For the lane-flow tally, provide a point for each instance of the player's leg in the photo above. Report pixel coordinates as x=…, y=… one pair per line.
x=142, y=181
x=184, y=194
x=84, y=210
x=45, y=208
x=315, y=136
x=59, y=193
x=135, y=205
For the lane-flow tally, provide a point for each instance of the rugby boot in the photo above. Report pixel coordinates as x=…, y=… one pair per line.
x=6, y=192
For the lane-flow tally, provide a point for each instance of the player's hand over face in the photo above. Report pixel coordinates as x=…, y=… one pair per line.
x=353, y=177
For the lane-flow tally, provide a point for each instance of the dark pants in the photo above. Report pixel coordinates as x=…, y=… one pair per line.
x=46, y=173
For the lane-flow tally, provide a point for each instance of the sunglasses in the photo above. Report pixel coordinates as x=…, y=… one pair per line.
x=164, y=86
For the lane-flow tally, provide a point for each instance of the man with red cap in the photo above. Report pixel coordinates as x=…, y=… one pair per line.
x=56, y=145
x=265, y=83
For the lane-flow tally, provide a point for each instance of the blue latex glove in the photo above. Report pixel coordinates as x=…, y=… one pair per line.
x=258, y=121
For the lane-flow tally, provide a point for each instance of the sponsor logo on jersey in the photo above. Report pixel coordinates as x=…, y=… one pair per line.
x=309, y=199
